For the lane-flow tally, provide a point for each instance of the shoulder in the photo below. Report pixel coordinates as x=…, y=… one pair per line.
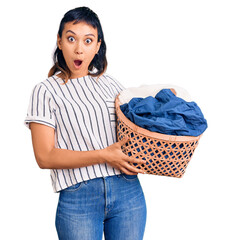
x=45, y=85
x=52, y=80
x=109, y=77
x=114, y=82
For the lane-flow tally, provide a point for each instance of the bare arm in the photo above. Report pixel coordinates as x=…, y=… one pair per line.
x=49, y=157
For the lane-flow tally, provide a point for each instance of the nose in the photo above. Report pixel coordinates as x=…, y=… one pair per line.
x=78, y=48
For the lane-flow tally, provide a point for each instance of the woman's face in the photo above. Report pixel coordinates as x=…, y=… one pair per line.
x=79, y=45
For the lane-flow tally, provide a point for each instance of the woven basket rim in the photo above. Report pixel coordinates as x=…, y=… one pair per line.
x=148, y=133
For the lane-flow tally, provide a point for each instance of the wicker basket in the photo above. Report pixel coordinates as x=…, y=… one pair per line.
x=165, y=155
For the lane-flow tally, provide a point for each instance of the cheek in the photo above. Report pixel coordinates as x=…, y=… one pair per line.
x=91, y=53
x=67, y=49
x=67, y=55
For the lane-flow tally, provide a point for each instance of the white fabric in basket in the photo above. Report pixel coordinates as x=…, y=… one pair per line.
x=151, y=90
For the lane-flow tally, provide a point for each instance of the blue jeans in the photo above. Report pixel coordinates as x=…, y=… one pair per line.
x=113, y=205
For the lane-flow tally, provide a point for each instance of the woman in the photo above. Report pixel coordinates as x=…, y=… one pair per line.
x=71, y=115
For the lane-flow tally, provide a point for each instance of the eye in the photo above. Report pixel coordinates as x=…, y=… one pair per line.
x=71, y=39
x=88, y=40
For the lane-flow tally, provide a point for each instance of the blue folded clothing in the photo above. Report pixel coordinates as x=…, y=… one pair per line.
x=166, y=113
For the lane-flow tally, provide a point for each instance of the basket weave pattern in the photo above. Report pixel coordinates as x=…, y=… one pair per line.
x=165, y=155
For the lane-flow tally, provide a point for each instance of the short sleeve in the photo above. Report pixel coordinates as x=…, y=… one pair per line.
x=40, y=107
x=116, y=85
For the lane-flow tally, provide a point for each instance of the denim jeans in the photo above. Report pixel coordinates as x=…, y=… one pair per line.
x=114, y=206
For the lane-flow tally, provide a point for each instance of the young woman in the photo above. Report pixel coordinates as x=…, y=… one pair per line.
x=71, y=115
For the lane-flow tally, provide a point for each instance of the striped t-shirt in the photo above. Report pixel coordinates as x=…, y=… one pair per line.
x=82, y=112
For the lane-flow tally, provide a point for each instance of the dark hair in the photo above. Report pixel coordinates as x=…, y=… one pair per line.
x=81, y=14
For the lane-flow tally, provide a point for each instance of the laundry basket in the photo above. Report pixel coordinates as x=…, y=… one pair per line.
x=165, y=155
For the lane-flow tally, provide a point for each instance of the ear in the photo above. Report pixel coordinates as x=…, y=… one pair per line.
x=59, y=42
x=98, y=46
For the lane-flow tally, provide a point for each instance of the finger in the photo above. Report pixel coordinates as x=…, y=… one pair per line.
x=132, y=168
x=173, y=90
x=134, y=160
x=126, y=171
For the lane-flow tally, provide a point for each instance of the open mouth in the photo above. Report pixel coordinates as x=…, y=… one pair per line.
x=78, y=63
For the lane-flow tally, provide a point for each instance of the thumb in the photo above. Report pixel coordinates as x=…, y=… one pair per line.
x=124, y=140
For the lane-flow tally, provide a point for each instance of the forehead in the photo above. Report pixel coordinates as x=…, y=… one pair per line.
x=80, y=28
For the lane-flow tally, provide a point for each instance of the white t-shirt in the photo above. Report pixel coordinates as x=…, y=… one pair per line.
x=82, y=112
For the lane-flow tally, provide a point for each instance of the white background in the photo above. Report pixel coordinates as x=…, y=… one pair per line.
x=186, y=43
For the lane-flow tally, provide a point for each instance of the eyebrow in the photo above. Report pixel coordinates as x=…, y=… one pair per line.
x=89, y=34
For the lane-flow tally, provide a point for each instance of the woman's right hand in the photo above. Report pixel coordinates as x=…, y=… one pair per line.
x=114, y=156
